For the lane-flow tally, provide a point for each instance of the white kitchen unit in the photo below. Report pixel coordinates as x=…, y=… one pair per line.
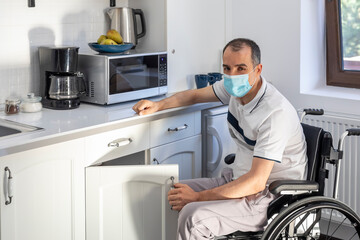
x=130, y=202
x=195, y=39
x=185, y=153
x=48, y=196
x=177, y=140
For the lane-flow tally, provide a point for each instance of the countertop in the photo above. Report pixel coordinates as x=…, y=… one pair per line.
x=64, y=125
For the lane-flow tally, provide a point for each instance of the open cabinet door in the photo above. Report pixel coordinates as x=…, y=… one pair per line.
x=130, y=202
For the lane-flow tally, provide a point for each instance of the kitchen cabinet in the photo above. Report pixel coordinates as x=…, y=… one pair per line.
x=71, y=190
x=177, y=140
x=185, y=153
x=195, y=39
x=130, y=202
x=48, y=197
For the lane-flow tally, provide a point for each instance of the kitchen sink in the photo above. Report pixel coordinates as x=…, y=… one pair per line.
x=11, y=128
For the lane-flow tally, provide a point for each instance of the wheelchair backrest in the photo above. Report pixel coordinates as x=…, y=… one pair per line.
x=318, y=142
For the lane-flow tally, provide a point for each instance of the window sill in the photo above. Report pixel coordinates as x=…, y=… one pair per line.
x=334, y=92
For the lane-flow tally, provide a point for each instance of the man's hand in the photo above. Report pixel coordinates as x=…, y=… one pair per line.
x=144, y=107
x=181, y=195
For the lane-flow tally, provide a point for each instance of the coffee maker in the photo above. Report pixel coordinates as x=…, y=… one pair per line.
x=60, y=82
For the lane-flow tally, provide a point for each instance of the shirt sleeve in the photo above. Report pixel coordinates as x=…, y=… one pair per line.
x=273, y=136
x=221, y=92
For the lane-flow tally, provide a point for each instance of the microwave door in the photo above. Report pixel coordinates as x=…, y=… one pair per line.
x=129, y=78
x=138, y=77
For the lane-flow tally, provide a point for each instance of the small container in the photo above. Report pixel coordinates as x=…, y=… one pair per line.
x=31, y=103
x=2, y=104
x=12, y=105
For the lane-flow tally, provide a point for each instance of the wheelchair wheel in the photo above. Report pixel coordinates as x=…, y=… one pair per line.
x=315, y=218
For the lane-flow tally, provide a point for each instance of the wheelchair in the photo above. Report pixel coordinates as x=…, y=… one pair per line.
x=301, y=211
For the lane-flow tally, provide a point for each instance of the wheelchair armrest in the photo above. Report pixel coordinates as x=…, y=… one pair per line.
x=293, y=187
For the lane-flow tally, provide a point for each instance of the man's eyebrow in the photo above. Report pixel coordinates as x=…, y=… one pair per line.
x=237, y=65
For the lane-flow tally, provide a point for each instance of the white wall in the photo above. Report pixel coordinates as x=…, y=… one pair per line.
x=291, y=37
x=51, y=22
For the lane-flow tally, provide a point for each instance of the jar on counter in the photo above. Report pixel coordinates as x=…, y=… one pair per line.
x=12, y=105
x=31, y=103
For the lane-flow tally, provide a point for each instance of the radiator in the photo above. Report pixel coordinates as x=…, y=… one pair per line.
x=349, y=179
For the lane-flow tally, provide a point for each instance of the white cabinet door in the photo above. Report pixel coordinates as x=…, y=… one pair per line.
x=48, y=193
x=130, y=202
x=195, y=38
x=186, y=153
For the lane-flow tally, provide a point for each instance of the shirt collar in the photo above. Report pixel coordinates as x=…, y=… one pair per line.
x=250, y=106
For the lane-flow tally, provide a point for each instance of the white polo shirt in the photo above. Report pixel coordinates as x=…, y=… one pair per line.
x=267, y=127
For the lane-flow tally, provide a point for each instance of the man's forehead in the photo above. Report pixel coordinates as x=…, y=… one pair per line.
x=241, y=56
x=244, y=50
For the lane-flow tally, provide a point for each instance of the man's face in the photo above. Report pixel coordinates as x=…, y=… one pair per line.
x=240, y=62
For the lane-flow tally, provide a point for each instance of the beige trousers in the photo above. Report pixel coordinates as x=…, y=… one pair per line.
x=205, y=220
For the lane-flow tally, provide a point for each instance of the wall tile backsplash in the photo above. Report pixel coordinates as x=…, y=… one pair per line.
x=51, y=22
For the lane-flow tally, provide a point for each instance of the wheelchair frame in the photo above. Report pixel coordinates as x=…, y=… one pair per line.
x=294, y=206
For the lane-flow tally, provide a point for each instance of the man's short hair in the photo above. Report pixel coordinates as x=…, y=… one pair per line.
x=238, y=43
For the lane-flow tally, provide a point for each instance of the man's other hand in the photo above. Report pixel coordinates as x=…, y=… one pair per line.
x=144, y=107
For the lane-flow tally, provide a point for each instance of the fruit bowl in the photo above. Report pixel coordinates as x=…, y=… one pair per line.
x=110, y=48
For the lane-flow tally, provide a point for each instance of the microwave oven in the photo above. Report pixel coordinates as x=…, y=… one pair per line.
x=116, y=78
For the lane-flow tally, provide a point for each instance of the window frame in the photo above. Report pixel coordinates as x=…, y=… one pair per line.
x=335, y=75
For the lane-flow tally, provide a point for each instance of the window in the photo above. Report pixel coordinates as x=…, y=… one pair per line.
x=343, y=43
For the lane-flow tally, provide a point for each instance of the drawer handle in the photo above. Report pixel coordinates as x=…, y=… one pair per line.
x=178, y=128
x=9, y=187
x=120, y=142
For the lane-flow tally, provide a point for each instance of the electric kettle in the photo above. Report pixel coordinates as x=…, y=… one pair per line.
x=124, y=21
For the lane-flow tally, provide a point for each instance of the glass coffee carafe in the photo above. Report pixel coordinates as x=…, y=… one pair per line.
x=66, y=86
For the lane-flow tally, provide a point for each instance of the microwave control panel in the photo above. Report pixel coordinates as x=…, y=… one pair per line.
x=162, y=70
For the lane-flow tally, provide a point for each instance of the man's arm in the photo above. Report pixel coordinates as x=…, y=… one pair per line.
x=184, y=98
x=250, y=183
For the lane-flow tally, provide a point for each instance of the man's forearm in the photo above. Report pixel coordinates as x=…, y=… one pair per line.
x=243, y=186
x=180, y=99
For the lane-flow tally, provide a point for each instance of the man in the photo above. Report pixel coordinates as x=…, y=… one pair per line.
x=270, y=141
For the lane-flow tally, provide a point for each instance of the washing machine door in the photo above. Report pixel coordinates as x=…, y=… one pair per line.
x=218, y=143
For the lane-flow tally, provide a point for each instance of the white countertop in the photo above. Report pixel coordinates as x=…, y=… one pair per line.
x=88, y=119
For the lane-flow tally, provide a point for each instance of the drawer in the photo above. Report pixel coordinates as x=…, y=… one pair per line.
x=117, y=143
x=174, y=128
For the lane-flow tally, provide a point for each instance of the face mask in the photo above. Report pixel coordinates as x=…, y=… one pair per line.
x=237, y=85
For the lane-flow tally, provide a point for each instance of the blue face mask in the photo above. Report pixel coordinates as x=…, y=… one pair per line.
x=237, y=85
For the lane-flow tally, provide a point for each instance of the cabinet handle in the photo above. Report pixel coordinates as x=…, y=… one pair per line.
x=178, y=128
x=9, y=187
x=120, y=142
x=172, y=182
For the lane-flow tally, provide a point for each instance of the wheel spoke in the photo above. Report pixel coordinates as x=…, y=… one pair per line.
x=353, y=235
x=327, y=232
x=338, y=227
